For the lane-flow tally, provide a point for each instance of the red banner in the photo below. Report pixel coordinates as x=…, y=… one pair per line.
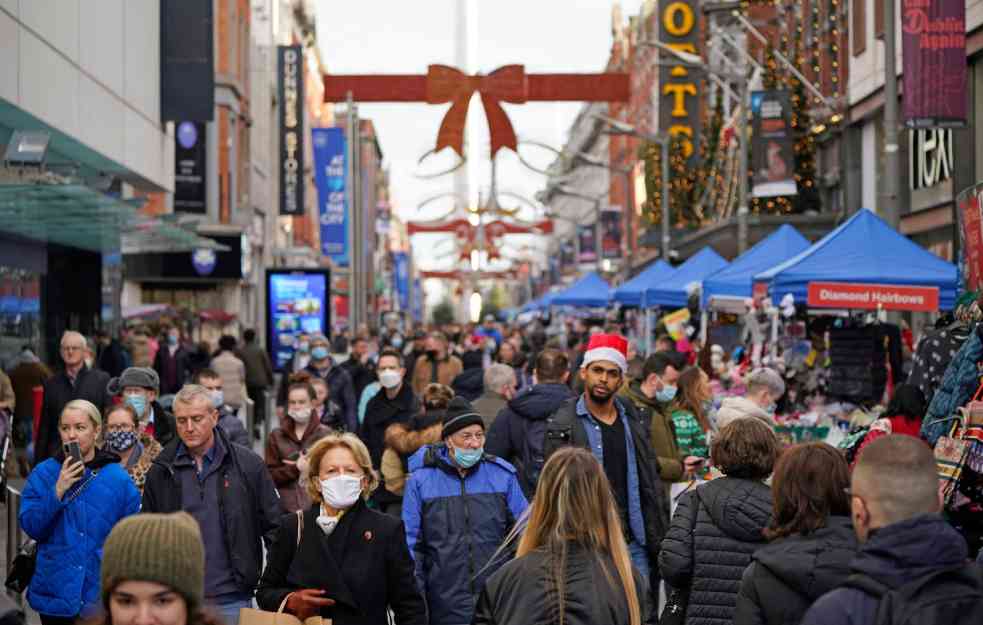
x=971, y=236
x=873, y=296
x=933, y=40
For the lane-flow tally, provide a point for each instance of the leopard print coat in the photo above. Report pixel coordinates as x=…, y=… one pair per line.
x=138, y=472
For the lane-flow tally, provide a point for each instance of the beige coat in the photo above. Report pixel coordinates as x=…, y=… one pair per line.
x=447, y=369
x=233, y=374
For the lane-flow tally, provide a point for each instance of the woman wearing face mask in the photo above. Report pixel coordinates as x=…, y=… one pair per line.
x=136, y=450
x=287, y=445
x=339, y=559
x=458, y=505
x=689, y=419
x=69, y=507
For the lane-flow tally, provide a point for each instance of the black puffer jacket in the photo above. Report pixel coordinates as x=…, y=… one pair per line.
x=787, y=576
x=518, y=593
x=730, y=514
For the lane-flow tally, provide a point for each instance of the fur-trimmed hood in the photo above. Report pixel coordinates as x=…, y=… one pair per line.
x=406, y=441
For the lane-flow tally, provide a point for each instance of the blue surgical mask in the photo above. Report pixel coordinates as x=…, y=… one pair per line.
x=467, y=458
x=218, y=398
x=666, y=394
x=397, y=341
x=319, y=353
x=771, y=408
x=172, y=339
x=138, y=403
x=303, y=346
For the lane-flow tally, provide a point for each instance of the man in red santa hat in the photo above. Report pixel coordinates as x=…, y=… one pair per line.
x=597, y=420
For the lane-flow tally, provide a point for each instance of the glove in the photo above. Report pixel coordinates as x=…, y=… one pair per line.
x=307, y=603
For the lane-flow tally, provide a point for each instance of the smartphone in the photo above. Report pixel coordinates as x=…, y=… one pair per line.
x=74, y=451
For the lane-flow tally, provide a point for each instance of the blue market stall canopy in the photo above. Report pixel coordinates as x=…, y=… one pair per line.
x=672, y=292
x=540, y=303
x=737, y=279
x=865, y=263
x=591, y=291
x=630, y=293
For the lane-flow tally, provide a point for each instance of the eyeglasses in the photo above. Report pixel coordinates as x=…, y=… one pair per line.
x=471, y=438
x=195, y=420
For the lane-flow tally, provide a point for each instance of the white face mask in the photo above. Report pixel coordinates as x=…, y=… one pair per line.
x=342, y=491
x=300, y=415
x=390, y=378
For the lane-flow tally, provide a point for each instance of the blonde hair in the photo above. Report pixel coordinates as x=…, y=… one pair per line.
x=353, y=444
x=573, y=502
x=85, y=406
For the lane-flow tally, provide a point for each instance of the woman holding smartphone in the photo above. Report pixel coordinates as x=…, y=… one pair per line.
x=69, y=505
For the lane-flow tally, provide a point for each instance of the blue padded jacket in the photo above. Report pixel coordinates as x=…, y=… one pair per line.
x=454, y=526
x=70, y=532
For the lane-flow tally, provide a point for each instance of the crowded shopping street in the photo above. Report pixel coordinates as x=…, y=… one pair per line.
x=450, y=312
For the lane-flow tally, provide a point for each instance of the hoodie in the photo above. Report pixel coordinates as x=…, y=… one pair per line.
x=894, y=555
x=739, y=407
x=788, y=575
x=715, y=530
x=516, y=434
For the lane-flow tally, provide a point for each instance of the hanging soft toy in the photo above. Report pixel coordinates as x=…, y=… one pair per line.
x=755, y=329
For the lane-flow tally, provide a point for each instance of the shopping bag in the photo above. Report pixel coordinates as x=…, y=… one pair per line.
x=950, y=458
x=250, y=616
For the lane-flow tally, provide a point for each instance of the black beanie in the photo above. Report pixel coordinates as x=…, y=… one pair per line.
x=460, y=415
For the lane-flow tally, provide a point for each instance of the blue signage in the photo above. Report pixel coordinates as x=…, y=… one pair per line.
x=417, y=311
x=332, y=197
x=297, y=305
x=401, y=269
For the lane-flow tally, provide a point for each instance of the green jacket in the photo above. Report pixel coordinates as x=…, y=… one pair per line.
x=663, y=435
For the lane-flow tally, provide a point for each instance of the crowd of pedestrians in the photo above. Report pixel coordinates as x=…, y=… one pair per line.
x=479, y=474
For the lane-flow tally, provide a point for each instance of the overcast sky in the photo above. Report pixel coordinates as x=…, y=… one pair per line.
x=396, y=36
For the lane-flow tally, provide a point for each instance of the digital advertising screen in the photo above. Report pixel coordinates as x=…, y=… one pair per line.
x=296, y=304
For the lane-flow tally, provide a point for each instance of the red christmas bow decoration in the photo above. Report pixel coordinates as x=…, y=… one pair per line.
x=448, y=84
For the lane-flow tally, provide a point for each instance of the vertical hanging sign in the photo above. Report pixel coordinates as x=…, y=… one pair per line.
x=933, y=40
x=332, y=196
x=290, y=92
x=679, y=106
x=772, y=155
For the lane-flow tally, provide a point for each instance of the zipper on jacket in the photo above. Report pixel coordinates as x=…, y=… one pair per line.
x=467, y=528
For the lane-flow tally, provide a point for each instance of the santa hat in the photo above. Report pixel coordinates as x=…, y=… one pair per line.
x=610, y=347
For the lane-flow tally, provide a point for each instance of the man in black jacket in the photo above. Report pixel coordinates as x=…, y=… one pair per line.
x=139, y=387
x=227, y=489
x=75, y=381
x=517, y=432
x=359, y=366
x=598, y=421
x=394, y=403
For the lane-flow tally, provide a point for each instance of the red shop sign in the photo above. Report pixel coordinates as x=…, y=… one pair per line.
x=873, y=296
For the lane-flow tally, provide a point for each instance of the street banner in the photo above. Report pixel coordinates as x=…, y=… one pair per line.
x=933, y=43
x=418, y=303
x=970, y=212
x=332, y=197
x=290, y=95
x=772, y=150
x=401, y=271
x=587, y=237
x=189, y=168
x=863, y=296
x=611, y=234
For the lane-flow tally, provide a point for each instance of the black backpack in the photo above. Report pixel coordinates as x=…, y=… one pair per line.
x=952, y=596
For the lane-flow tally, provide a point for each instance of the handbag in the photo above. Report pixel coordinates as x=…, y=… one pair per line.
x=251, y=616
x=22, y=568
x=674, y=612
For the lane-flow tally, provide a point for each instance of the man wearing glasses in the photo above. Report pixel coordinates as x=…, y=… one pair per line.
x=458, y=506
x=227, y=489
x=74, y=381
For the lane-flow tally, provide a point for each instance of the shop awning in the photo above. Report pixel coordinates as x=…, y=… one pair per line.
x=737, y=279
x=863, y=250
x=673, y=292
x=591, y=291
x=630, y=293
x=78, y=216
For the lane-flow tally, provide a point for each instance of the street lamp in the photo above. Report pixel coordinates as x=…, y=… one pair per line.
x=618, y=127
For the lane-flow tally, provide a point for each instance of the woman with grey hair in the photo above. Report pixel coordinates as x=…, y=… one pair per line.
x=764, y=388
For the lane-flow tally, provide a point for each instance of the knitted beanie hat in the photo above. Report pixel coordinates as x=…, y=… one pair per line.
x=162, y=548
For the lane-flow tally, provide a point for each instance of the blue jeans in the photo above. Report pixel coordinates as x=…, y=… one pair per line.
x=229, y=611
x=640, y=558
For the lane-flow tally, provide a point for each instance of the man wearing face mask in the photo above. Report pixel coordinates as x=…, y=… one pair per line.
x=764, y=388
x=138, y=387
x=394, y=403
x=458, y=505
x=910, y=557
x=651, y=394
x=227, y=419
x=171, y=362
x=436, y=366
x=340, y=386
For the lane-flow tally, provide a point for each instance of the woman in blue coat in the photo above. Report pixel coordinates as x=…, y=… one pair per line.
x=69, y=508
